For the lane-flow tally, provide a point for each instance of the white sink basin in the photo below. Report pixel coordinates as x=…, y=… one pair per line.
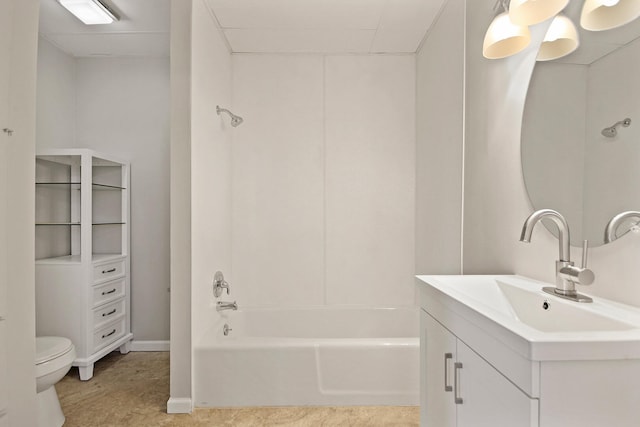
x=516, y=311
x=546, y=313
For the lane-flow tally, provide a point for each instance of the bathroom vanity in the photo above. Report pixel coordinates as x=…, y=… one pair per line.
x=82, y=248
x=497, y=351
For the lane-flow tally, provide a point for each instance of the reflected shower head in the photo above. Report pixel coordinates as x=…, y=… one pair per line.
x=612, y=131
x=235, y=120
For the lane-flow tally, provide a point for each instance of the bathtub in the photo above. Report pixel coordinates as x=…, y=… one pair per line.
x=318, y=356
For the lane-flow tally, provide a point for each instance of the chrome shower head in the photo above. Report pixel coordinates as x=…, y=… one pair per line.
x=609, y=132
x=612, y=131
x=235, y=120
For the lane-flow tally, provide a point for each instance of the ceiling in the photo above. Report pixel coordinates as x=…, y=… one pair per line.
x=143, y=29
x=318, y=26
x=264, y=26
x=287, y=26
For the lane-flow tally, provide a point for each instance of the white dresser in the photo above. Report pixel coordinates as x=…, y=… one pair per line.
x=82, y=252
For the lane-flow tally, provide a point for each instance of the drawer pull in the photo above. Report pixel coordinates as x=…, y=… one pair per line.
x=111, y=270
x=456, y=383
x=447, y=357
x=109, y=334
x=109, y=292
x=109, y=313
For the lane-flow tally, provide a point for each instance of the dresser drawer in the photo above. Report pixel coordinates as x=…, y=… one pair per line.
x=108, y=292
x=107, y=313
x=108, y=271
x=108, y=334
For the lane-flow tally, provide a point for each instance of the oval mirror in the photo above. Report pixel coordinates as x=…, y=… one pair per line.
x=581, y=131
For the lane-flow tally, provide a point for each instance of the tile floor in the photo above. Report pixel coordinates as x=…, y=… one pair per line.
x=132, y=390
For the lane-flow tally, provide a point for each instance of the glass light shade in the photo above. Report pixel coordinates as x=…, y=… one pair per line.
x=504, y=38
x=531, y=12
x=599, y=15
x=90, y=12
x=561, y=39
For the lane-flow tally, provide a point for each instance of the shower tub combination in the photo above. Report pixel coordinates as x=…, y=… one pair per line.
x=317, y=356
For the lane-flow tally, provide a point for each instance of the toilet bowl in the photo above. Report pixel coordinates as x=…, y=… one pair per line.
x=54, y=356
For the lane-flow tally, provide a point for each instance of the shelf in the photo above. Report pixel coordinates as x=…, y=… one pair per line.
x=95, y=186
x=58, y=223
x=106, y=187
x=75, y=259
x=57, y=183
x=109, y=223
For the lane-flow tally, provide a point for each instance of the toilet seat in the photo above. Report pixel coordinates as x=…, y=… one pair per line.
x=53, y=353
x=49, y=348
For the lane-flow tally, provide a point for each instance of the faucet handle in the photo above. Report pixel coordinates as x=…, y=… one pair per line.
x=585, y=252
x=219, y=284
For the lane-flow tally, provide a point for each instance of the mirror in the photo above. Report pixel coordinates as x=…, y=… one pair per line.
x=574, y=159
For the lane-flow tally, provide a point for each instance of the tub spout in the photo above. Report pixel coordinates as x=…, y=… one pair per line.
x=225, y=305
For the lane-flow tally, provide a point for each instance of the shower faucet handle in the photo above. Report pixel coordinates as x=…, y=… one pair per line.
x=219, y=284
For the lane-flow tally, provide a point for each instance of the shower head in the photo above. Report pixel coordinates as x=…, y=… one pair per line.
x=235, y=120
x=612, y=131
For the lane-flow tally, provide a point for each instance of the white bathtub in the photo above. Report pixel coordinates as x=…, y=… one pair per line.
x=318, y=356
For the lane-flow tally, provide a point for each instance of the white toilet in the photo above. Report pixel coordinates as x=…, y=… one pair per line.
x=54, y=356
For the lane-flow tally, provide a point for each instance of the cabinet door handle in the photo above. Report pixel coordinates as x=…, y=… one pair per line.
x=109, y=313
x=109, y=334
x=447, y=357
x=456, y=383
x=111, y=270
x=109, y=292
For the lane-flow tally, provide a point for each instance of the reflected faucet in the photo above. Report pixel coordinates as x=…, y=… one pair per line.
x=610, y=231
x=567, y=274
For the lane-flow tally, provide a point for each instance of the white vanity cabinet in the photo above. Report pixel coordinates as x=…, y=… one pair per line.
x=510, y=374
x=82, y=252
x=459, y=388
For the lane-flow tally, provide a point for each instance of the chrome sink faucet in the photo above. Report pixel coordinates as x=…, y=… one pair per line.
x=567, y=274
x=610, y=232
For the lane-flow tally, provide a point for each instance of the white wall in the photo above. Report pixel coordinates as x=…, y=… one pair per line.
x=18, y=112
x=200, y=185
x=496, y=203
x=323, y=180
x=440, y=131
x=123, y=109
x=56, y=97
x=180, y=187
x=119, y=106
x=210, y=166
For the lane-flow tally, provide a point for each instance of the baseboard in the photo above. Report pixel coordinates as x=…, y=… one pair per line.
x=179, y=405
x=149, y=345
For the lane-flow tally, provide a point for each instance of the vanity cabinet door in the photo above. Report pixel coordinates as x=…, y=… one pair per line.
x=437, y=356
x=488, y=398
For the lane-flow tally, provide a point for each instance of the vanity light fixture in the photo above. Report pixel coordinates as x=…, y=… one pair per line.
x=504, y=38
x=599, y=15
x=531, y=12
x=90, y=12
x=561, y=39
